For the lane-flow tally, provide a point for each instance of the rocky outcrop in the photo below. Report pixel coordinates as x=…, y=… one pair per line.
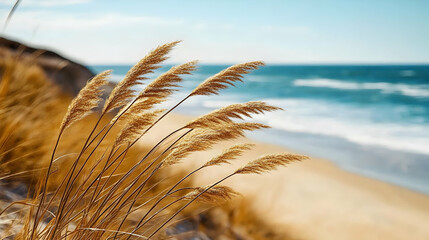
x=71, y=76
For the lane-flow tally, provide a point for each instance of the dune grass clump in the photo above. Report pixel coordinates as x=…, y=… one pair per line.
x=30, y=108
x=105, y=189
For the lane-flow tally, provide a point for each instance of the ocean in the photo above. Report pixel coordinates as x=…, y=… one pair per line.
x=371, y=120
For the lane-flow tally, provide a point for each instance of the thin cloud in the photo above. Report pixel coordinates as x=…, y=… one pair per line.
x=54, y=21
x=45, y=3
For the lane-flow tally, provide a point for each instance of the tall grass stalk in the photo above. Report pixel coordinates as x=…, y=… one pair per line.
x=111, y=190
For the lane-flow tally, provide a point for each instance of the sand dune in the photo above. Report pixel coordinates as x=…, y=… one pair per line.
x=317, y=200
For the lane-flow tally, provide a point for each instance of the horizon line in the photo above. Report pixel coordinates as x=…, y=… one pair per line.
x=286, y=64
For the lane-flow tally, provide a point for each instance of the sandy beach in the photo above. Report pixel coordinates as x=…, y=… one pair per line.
x=316, y=199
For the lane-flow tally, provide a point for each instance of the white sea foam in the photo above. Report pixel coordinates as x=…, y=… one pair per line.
x=319, y=117
x=333, y=119
x=384, y=87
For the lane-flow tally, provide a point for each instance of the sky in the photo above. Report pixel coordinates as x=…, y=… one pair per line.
x=227, y=31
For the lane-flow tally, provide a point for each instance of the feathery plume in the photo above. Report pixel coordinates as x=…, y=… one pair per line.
x=228, y=154
x=224, y=78
x=168, y=80
x=87, y=99
x=237, y=129
x=201, y=140
x=225, y=114
x=135, y=127
x=123, y=90
x=269, y=162
x=193, y=142
x=158, y=90
x=214, y=194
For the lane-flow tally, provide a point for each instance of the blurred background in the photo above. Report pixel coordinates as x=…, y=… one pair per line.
x=352, y=76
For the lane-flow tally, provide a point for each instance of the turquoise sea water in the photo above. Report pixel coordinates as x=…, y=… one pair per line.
x=373, y=120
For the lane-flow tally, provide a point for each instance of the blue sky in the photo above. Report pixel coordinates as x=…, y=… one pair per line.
x=301, y=31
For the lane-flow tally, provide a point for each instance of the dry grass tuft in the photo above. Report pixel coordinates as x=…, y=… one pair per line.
x=269, y=162
x=135, y=126
x=31, y=110
x=98, y=184
x=213, y=194
x=228, y=154
x=156, y=92
x=226, y=114
x=87, y=100
x=225, y=78
x=123, y=91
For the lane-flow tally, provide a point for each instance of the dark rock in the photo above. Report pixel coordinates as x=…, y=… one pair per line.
x=71, y=76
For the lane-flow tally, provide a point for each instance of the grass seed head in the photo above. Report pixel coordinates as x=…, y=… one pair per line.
x=269, y=162
x=212, y=194
x=228, y=154
x=124, y=90
x=87, y=99
x=225, y=78
x=226, y=114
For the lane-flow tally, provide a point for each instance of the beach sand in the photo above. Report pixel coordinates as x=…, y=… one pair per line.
x=315, y=199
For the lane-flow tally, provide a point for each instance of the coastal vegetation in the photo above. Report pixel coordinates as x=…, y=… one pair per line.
x=87, y=172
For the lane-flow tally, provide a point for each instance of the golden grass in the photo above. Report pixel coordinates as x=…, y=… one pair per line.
x=124, y=91
x=95, y=181
x=86, y=101
x=30, y=108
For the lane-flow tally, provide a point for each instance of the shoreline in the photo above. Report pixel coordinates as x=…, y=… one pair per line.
x=396, y=166
x=379, y=163
x=316, y=199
